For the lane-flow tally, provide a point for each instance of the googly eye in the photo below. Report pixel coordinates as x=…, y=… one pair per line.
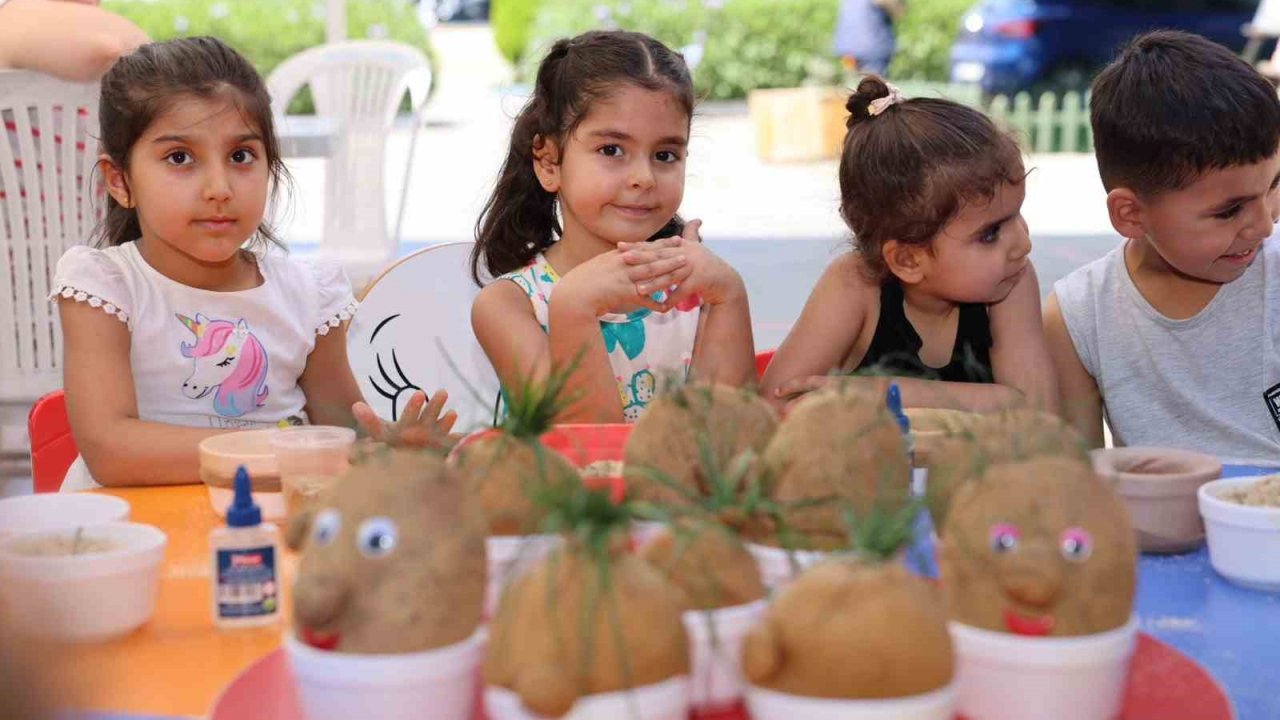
x=1076, y=544
x=1004, y=537
x=325, y=527
x=377, y=537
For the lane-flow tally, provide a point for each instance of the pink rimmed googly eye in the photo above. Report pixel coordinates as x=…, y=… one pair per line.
x=1076, y=544
x=1004, y=537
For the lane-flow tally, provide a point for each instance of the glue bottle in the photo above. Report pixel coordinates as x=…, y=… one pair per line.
x=893, y=400
x=246, y=587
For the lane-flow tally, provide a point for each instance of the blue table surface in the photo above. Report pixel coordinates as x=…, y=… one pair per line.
x=1232, y=632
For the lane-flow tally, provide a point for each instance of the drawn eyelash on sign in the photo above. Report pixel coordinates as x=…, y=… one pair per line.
x=395, y=386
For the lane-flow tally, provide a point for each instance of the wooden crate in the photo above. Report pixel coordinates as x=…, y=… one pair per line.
x=798, y=124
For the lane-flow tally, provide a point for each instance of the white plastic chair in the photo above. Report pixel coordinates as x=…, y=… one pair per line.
x=359, y=84
x=47, y=191
x=413, y=332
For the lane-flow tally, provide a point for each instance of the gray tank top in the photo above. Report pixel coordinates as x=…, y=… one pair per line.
x=1209, y=383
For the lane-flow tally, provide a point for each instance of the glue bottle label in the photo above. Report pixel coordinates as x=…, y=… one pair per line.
x=246, y=582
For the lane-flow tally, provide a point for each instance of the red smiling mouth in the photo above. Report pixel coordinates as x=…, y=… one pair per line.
x=1020, y=624
x=319, y=640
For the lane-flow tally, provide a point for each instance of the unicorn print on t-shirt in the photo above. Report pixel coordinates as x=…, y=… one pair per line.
x=228, y=359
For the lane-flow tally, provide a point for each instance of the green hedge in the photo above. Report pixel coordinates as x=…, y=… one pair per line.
x=512, y=22
x=746, y=44
x=769, y=44
x=269, y=31
x=925, y=36
x=674, y=22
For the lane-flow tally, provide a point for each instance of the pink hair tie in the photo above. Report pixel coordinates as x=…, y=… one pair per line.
x=879, y=105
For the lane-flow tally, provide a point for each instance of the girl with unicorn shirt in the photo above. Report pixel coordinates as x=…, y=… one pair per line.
x=190, y=322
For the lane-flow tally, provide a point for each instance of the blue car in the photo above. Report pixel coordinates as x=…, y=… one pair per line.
x=1011, y=45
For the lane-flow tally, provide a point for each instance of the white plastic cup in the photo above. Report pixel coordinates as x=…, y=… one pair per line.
x=88, y=597
x=667, y=700
x=1244, y=541
x=309, y=458
x=716, y=681
x=776, y=568
x=1009, y=677
x=52, y=511
x=436, y=684
x=511, y=556
x=767, y=704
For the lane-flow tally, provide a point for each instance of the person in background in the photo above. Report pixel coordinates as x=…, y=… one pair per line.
x=864, y=39
x=72, y=39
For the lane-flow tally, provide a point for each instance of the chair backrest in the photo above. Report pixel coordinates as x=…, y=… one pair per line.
x=46, y=206
x=53, y=449
x=360, y=85
x=413, y=331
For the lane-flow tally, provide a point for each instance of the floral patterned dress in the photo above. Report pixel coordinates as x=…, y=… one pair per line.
x=643, y=345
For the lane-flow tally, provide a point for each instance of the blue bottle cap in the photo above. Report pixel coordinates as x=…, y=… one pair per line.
x=243, y=512
x=893, y=399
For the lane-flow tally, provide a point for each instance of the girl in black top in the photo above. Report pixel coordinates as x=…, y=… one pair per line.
x=939, y=290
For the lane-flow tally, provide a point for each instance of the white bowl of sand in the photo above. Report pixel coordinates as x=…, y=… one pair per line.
x=85, y=584
x=766, y=704
x=666, y=700
x=1000, y=676
x=437, y=684
x=1242, y=524
x=715, y=652
x=53, y=511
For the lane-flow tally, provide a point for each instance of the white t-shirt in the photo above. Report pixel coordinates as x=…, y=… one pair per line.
x=1209, y=383
x=212, y=359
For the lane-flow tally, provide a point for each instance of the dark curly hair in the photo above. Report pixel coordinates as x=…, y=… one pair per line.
x=907, y=171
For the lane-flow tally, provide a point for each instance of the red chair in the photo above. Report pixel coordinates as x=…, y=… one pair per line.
x=763, y=358
x=52, y=447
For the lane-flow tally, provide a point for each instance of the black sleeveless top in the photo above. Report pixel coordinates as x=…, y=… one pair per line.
x=895, y=347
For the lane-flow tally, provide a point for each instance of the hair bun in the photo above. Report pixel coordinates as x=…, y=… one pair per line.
x=870, y=89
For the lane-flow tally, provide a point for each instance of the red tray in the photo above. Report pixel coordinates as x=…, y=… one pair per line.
x=1163, y=683
x=584, y=444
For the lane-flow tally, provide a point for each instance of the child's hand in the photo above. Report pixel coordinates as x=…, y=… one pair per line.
x=417, y=426
x=706, y=276
x=795, y=389
x=625, y=279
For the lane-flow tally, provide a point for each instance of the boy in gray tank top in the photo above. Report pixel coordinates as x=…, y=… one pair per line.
x=1173, y=334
